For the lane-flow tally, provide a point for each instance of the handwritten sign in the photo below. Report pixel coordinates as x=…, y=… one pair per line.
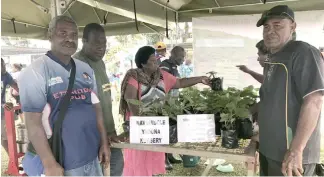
x=196, y=128
x=149, y=130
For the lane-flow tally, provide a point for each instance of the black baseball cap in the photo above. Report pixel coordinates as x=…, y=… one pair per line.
x=280, y=11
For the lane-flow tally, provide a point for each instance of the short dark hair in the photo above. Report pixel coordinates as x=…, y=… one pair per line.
x=90, y=28
x=176, y=50
x=261, y=47
x=142, y=55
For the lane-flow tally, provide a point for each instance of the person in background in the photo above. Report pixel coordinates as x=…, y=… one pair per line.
x=263, y=55
x=16, y=69
x=160, y=54
x=291, y=98
x=6, y=80
x=153, y=83
x=15, y=74
x=171, y=65
x=93, y=50
x=43, y=85
x=186, y=69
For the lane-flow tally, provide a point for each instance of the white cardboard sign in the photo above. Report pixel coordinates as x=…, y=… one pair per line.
x=196, y=128
x=149, y=130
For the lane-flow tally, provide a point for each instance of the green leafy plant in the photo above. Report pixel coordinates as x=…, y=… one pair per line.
x=232, y=104
x=194, y=101
x=168, y=106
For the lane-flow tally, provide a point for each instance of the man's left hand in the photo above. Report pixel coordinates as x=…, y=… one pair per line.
x=292, y=163
x=104, y=155
x=114, y=139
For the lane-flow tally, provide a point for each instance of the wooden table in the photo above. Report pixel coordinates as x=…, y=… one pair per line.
x=210, y=150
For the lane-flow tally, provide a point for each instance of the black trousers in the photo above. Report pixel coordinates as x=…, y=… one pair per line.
x=270, y=167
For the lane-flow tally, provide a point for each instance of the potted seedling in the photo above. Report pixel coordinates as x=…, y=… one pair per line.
x=216, y=82
x=248, y=99
x=213, y=107
x=196, y=104
x=231, y=111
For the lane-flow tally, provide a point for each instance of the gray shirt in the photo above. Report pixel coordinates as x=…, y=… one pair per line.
x=292, y=73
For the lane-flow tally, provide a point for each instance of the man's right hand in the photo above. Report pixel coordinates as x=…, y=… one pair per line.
x=243, y=68
x=54, y=170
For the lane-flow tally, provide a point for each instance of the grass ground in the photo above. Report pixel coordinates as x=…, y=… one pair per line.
x=239, y=169
x=179, y=170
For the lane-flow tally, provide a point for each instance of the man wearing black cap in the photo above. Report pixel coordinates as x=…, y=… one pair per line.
x=291, y=99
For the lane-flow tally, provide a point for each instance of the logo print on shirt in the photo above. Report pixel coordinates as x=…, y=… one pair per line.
x=87, y=78
x=55, y=80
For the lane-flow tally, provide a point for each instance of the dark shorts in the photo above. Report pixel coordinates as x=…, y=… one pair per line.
x=17, y=98
x=270, y=167
x=18, y=112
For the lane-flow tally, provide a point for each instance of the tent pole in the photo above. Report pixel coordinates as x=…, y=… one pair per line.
x=58, y=7
x=177, y=28
x=55, y=8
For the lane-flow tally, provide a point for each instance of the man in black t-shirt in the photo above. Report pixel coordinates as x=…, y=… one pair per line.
x=291, y=99
x=171, y=65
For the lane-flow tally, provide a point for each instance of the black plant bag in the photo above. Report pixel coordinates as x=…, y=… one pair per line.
x=229, y=139
x=217, y=84
x=319, y=170
x=173, y=130
x=244, y=128
x=218, y=124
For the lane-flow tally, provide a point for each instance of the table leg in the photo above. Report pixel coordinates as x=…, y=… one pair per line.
x=251, y=166
x=209, y=166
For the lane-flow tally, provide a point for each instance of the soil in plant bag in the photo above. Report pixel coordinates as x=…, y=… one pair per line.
x=229, y=139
